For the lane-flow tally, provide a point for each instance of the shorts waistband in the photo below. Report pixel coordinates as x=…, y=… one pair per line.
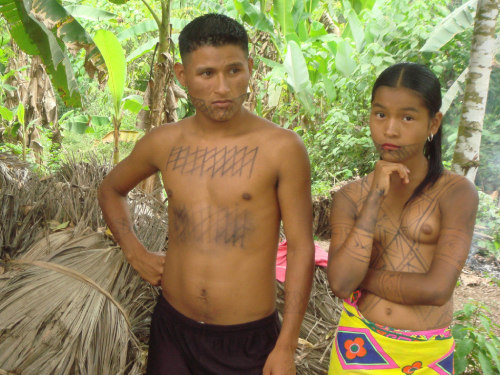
x=268, y=321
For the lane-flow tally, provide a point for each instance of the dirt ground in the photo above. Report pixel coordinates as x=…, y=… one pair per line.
x=472, y=286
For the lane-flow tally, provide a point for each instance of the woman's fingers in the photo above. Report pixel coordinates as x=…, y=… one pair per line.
x=383, y=172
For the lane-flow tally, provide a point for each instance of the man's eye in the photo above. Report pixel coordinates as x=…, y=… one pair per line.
x=379, y=115
x=234, y=70
x=206, y=73
x=408, y=118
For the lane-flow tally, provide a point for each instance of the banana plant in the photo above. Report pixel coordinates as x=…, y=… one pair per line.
x=47, y=29
x=114, y=58
x=457, y=21
x=160, y=86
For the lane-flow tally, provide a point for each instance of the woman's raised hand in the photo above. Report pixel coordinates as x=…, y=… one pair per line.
x=382, y=176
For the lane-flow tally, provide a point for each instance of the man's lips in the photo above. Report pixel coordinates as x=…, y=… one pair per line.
x=390, y=146
x=222, y=103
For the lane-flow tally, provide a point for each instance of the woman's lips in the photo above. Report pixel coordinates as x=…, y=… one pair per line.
x=390, y=146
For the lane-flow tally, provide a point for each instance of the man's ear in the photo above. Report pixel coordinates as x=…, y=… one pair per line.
x=436, y=122
x=250, y=65
x=179, y=73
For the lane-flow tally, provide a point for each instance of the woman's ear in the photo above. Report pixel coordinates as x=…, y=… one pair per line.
x=436, y=123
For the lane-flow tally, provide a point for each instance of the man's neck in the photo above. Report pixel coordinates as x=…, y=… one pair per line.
x=206, y=126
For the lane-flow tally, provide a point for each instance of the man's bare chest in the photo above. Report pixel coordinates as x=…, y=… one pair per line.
x=217, y=194
x=212, y=162
x=222, y=174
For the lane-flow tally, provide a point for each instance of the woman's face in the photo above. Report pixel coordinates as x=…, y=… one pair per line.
x=400, y=123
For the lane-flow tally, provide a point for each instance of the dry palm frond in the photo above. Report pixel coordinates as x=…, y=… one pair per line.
x=321, y=216
x=80, y=181
x=74, y=310
x=12, y=170
x=68, y=198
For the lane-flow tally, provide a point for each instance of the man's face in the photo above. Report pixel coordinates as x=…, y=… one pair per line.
x=216, y=79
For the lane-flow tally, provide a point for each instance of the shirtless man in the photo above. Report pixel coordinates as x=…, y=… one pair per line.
x=230, y=178
x=400, y=237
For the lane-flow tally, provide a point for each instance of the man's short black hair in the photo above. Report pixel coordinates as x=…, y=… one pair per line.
x=212, y=30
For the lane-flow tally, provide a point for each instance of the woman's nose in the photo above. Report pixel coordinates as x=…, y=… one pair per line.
x=391, y=127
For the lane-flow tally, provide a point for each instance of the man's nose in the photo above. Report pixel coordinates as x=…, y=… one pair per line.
x=222, y=84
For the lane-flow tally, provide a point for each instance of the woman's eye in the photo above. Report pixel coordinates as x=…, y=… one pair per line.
x=379, y=115
x=407, y=118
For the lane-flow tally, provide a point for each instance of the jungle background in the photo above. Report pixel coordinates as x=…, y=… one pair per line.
x=81, y=81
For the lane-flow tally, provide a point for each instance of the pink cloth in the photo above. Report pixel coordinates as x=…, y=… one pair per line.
x=320, y=258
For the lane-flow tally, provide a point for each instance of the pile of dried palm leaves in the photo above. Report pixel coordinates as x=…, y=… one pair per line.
x=70, y=303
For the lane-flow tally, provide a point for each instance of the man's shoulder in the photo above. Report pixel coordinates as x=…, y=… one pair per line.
x=276, y=135
x=163, y=133
x=169, y=128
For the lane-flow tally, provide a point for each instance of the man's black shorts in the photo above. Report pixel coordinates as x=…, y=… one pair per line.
x=182, y=346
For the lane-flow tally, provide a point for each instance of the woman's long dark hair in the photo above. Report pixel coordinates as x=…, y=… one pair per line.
x=424, y=82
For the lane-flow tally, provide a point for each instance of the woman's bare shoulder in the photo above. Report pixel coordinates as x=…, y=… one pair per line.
x=454, y=188
x=355, y=190
x=454, y=181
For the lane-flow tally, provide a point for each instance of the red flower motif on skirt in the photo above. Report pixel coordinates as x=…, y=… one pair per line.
x=355, y=348
x=412, y=368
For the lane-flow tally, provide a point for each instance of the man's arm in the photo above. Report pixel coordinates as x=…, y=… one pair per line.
x=112, y=196
x=294, y=197
x=435, y=287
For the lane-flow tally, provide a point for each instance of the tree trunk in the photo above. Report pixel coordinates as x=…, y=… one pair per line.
x=116, y=140
x=159, y=91
x=466, y=154
x=158, y=94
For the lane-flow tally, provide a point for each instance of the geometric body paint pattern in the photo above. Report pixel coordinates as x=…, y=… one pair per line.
x=224, y=161
x=226, y=226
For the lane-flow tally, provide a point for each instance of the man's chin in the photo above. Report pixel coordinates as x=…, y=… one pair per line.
x=223, y=116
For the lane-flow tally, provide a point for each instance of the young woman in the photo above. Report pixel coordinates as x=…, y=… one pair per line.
x=400, y=237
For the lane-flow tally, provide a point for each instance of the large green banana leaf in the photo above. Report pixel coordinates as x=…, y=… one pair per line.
x=47, y=29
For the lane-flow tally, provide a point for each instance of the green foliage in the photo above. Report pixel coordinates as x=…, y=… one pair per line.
x=114, y=57
x=34, y=38
x=338, y=151
x=488, y=220
x=477, y=345
x=310, y=79
x=298, y=74
x=488, y=176
x=321, y=87
x=459, y=20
